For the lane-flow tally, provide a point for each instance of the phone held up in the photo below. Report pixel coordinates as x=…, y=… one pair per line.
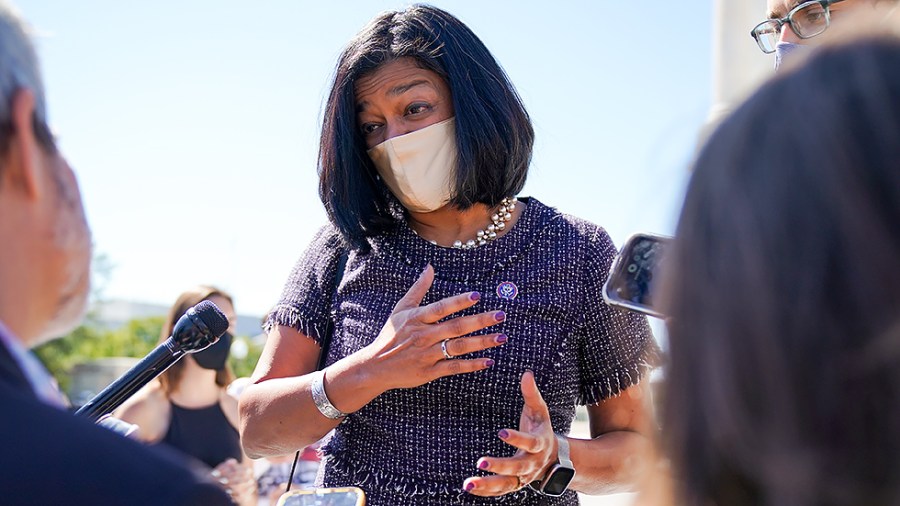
x=634, y=272
x=344, y=496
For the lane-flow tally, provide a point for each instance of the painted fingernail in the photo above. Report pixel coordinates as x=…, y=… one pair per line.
x=500, y=316
x=470, y=486
x=502, y=338
x=489, y=362
x=474, y=296
x=484, y=464
x=503, y=434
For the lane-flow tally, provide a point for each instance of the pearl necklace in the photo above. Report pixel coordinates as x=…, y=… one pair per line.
x=485, y=235
x=498, y=223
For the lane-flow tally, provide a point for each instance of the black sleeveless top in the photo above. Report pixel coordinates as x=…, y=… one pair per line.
x=203, y=433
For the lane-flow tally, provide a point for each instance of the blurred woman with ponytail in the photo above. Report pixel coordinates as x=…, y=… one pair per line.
x=188, y=407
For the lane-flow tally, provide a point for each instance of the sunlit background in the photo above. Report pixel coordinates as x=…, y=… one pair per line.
x=193, y=126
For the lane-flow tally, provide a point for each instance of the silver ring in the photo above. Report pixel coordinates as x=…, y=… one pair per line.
x=447, y=354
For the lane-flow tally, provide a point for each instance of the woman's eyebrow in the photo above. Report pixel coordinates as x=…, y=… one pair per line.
x=403, y=88
x=396, y=91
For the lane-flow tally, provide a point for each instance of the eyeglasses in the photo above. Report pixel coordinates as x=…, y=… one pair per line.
x=806, y=20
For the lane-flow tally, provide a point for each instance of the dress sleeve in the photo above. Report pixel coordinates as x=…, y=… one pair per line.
x=616, y=347
x=307, y=297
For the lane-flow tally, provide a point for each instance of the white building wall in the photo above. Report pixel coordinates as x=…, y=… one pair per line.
x=738, y=64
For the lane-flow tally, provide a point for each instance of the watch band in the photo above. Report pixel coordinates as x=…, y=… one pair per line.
x=563, y=452
x=556, y=481
x=321, y=399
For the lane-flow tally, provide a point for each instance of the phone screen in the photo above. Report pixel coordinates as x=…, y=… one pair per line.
x=635, y=272
x=350, y=496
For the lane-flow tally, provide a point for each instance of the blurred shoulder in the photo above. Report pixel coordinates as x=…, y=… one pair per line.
x=77, y=455
x=229, y=404
x=150, y=410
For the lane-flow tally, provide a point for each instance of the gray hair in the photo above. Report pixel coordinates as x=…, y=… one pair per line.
x=18, y=69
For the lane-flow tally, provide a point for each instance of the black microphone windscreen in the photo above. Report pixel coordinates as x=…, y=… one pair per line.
x=212, y=316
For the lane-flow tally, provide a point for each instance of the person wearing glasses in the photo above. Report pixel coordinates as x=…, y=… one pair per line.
x=791, y=24
x=783, y=293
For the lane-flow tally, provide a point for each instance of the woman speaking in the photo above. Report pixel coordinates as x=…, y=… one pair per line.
x=464, y=324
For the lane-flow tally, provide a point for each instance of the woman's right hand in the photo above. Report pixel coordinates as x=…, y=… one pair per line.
x=408, y=351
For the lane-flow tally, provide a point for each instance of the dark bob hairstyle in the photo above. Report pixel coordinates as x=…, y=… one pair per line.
x=783, y=293
x=494, y=135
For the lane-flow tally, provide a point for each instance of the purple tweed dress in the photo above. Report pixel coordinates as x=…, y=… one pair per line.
x=416, y=446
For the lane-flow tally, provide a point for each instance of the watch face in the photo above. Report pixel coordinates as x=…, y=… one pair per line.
x=558, y=481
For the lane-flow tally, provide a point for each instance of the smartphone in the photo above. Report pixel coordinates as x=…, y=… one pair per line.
x=634, y=274
x=345, y=496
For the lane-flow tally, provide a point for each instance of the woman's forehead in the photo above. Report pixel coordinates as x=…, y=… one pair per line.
x=223, y=304
x=394, y=78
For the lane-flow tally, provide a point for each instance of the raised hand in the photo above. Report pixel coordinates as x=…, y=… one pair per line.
x=237, y=480
x=413, y=348
x=536, y=444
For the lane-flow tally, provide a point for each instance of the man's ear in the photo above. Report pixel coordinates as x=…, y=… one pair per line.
x=21, y=168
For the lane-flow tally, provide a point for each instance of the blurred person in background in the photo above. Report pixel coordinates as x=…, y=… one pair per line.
x=50, y=456
x=273, y=472
x=792, y=26
x=783, y=293
x=189, y=408
x=469, y=323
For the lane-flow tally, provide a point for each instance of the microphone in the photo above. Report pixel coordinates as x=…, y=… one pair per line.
x=200, y=327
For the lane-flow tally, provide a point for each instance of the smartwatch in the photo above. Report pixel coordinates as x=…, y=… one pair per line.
x=557, y=479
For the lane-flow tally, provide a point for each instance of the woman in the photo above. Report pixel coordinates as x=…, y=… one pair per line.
x=467, y=324
x=784, y=294
x=189, y=409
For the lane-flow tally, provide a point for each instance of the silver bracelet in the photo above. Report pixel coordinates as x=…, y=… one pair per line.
x=321, y=399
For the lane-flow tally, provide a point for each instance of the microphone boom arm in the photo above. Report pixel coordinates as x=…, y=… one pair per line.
x=151, y=366
x=200, y=327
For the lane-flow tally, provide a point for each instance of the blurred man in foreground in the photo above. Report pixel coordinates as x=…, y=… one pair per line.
x=49, y=456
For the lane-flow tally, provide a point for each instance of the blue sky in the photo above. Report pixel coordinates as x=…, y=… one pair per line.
x=193, y=126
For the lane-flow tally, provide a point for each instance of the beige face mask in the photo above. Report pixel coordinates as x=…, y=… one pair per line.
x=419, y=167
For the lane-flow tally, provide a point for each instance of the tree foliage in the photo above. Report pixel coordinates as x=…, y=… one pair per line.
x=244, y=366
x=93, y=340
x=136, y=339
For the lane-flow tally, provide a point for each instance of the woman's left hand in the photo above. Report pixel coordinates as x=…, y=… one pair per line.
x=536, y=443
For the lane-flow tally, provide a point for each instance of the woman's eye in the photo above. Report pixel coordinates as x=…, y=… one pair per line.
x=369, y=128
x=418, y=108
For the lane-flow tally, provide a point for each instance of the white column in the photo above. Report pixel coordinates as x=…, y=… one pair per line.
x=738, y=64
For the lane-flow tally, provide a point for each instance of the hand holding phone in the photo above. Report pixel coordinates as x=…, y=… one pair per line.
x=634, y=273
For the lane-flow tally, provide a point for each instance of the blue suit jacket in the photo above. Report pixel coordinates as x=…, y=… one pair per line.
x=49, y=456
